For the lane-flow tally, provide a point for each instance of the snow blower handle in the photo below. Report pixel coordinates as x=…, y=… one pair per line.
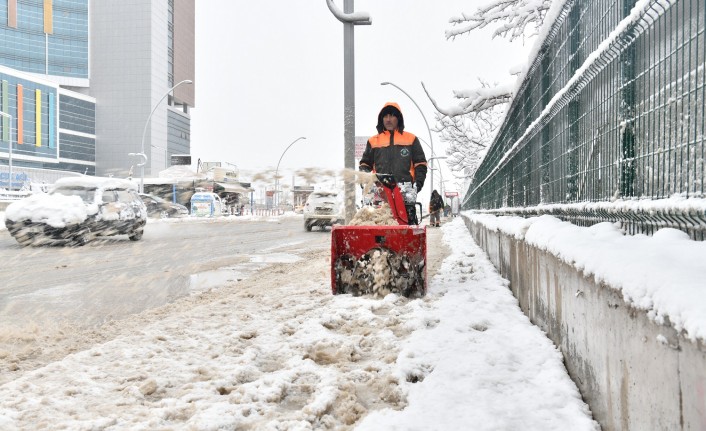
x=387, y=180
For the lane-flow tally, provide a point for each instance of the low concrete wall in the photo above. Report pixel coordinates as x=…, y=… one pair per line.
x=634, y=373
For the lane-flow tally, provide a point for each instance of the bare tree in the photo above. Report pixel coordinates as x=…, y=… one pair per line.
x=513, y=17
x=470, y=126
x=468, y=136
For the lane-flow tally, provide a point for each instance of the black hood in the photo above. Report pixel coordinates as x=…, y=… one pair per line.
x=394, y=109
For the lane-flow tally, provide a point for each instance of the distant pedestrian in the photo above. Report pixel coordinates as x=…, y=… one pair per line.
x=447, y=210
x=436, y=205
x=454, y=207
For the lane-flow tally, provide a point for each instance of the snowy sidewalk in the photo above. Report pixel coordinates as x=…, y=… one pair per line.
x=280, y=352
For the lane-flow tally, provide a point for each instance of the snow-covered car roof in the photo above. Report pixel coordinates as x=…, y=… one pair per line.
x=96, y=182
x=58, y=210
x=55, y=210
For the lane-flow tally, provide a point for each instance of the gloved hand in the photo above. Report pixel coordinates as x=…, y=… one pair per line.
x=419, y=185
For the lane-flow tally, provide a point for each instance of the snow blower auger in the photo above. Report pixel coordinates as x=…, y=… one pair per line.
x=377, y=260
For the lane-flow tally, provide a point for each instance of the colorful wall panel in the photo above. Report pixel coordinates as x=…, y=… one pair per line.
x=48, y=17
x=5, y=101
x=38, y=117
x=12, y=13
x=52, y=121
x=20, y=115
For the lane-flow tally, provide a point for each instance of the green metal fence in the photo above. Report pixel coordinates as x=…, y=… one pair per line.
x=613, y=107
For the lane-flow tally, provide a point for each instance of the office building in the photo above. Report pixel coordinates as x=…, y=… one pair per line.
x=139, y=50
x=43, y=59
x=79, y=80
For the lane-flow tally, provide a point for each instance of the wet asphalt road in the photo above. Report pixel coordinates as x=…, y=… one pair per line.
x=112, y=277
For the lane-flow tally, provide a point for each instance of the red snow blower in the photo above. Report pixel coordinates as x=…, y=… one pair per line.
x=377, y=260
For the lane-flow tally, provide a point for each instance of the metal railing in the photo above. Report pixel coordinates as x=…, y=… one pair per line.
x=612, y=108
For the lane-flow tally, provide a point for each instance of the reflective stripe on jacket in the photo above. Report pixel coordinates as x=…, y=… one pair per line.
x=399, y=154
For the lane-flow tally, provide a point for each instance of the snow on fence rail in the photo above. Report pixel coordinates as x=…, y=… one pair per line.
x=612, y=107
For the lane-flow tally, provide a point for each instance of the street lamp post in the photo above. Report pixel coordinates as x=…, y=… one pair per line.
x=9, y=149
x=349, y=20
x=144, y=132
x=277, y=170
x=443, y=188
x=431, y=166
x=431, y=160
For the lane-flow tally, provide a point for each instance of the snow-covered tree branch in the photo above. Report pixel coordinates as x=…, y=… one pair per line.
x=513, y=17
x=468, y=136
x=475, y=100
x=470, y=126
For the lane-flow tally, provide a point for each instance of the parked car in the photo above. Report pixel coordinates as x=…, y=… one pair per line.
x=322, y=208
x=76, y=210
x=206, y=204
x=158, y=207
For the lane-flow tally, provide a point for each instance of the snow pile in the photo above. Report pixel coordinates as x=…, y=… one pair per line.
x=663, y=274
x=374, y=216
x=379, y=272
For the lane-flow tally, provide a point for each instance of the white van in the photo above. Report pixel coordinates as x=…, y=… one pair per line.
x=204, y=204
x=322, y=208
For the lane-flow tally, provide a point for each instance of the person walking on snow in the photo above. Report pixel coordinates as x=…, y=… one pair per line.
x=436, y=204
x=396, y=152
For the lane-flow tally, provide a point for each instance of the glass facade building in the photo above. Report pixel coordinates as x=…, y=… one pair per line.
x=58, y=57
x=44, y=45
x=48, y=37
x=178, y=137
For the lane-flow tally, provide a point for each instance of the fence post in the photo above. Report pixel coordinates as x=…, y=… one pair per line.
x=627, y=113
x=574, y=107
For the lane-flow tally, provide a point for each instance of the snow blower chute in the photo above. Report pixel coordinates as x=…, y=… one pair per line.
x=378, y=260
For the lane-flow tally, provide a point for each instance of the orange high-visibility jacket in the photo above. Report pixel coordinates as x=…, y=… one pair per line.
x=398, y=153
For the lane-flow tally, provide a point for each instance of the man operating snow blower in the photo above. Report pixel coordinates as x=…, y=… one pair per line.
x=397, y=153
x=379, y=260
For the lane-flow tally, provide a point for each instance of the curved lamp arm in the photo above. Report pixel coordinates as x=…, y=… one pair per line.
x=360, y=18
x=280, y=160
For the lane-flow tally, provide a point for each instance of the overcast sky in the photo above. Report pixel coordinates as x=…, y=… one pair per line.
x=270, y=72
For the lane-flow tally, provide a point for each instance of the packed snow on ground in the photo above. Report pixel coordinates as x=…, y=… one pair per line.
x=278, y=351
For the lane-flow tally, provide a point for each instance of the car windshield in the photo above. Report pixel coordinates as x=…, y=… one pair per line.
x=322, y=197
x=87, y=195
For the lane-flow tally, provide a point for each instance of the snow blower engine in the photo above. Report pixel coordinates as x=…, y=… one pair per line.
x=378, y=260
